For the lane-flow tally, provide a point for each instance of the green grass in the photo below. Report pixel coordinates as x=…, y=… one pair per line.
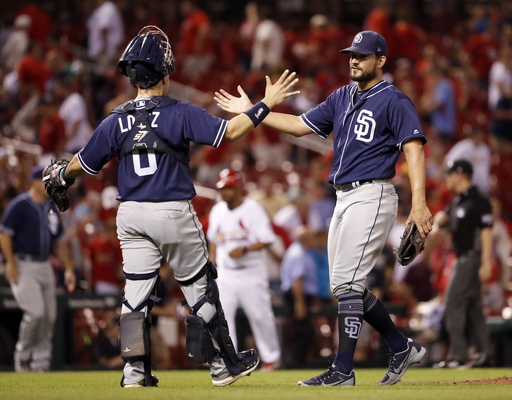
x=418, y=383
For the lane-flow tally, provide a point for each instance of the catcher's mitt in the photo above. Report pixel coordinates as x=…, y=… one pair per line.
x=411, y=245
x=56, y=184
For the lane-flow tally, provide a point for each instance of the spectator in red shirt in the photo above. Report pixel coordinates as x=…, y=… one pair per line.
x=41, y=23
x=482, y=50
x=106, y=260
x=316, y=49
x=52, y=131
x=195, y=50
x=379, y=20
x=33, y=72
x=409, y=37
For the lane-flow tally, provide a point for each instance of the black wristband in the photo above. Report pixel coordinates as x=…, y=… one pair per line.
x=65, y=182
x=257, y=113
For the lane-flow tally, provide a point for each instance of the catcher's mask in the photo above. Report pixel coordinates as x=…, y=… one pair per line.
x=229, y=178
x=148, y=58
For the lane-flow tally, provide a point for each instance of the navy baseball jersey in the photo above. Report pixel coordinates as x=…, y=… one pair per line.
x=140, y=173
x=369, y=129
x=33, y=227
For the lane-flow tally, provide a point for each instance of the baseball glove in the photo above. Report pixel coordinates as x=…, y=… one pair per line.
x=56, y=184
x=411, y=245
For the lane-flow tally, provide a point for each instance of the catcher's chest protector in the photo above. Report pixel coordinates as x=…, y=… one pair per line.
x=142, y=136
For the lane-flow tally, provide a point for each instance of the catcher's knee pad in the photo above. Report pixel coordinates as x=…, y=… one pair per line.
x=134, y=336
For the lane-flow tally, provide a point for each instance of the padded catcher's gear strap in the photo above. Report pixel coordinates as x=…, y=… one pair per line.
x=142, y=136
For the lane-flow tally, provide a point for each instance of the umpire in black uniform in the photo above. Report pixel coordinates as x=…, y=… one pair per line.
x=469, y=219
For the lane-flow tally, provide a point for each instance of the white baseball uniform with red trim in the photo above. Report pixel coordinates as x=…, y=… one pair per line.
x=244, y=281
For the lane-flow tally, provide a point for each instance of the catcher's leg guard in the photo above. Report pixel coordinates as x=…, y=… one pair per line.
x=135, y=334
x=199, y=343
x=200, y=347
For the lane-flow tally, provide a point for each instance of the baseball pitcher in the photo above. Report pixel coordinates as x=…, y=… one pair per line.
x=372, y=122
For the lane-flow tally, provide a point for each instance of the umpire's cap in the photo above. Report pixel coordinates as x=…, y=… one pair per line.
x=229, y=178
x=461, y=167
x=367, y=42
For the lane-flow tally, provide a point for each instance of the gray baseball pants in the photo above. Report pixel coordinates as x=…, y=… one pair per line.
x=170, y=230
x=358, y=232
x=35, y=294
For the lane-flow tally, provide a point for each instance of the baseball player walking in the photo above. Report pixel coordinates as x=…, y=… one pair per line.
x=239, y=233
x=156, y=220
x=371, y=122
x=30, y=228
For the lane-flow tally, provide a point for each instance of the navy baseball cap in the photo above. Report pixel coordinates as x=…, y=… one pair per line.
x=367, y=42
x=36, y=173
x=461, y=167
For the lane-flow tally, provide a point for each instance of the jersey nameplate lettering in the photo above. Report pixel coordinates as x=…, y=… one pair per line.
x=130, y=120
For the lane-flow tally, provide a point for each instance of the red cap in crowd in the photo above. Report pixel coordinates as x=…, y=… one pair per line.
x=229, y=178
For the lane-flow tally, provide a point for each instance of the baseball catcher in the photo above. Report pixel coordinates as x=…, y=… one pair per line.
x=56, y=184
x=411, y=245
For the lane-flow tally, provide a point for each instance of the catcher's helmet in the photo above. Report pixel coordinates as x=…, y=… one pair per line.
x=148, y=58
x=229, y=178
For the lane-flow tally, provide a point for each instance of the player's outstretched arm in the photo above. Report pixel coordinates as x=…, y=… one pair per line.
x=286, y=123
x=232, y=104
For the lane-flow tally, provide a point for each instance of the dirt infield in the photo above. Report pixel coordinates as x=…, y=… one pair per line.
x=504, y=380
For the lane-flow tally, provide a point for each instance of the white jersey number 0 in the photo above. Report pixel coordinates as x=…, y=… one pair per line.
x=144, y=171
x=365, y=128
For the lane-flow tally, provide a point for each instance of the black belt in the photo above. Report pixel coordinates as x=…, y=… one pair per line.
x=345, y=187
x=30, y=257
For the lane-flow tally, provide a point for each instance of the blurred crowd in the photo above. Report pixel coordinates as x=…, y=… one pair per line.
x=58, y=75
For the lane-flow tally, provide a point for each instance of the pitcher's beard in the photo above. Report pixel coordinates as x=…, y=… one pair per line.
x=365, y=77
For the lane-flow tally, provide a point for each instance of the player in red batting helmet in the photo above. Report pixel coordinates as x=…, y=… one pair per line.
x=229, y=178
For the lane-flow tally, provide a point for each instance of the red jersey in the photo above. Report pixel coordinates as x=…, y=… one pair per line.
x=51, y=132
x=189, y=34
x=106, y=260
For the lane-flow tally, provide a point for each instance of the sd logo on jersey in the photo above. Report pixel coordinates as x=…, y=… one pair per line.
x=365, y=128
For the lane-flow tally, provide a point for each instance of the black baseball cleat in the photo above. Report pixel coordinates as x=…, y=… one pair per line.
x=142, y=383
x=331, y=377
x=249, y=361
x=400, y=362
